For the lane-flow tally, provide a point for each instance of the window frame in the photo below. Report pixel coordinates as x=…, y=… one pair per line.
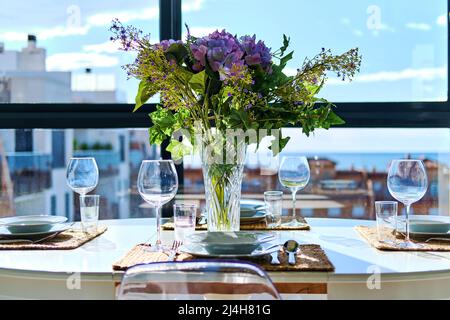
x=356, y=114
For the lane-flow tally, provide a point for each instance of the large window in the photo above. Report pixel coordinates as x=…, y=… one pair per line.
x=403, y=42
x=56, y=61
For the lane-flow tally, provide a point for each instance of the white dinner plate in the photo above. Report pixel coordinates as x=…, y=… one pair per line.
x=423, y=225
x=202, y=251
x=231, y=238
x=253, y=217
x=251, y=205
x=239, y=242
x=31, y=223
x=6, y=234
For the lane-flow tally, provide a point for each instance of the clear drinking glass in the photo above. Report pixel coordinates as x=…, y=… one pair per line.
x=386, y=213
x=89, y=208
x=294, y=174
x=274, y=207
x=82, y=175
x=184, y=216
x=157, y=184
x=407, y=182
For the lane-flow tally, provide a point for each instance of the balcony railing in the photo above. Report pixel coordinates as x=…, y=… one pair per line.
x=30, y=161
x=30, y=172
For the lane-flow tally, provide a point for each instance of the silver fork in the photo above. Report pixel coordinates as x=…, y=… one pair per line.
x=437, y=239
x=174, y=250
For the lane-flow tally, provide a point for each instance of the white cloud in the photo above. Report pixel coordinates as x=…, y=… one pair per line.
x=105, y=47
x=44, y=34
x=290, y=71
x=13, y=36
x=418, y=26
x=60, y=31
x=79, y=60
x=192, y=5
x=442, y=20
x=97, y=20
x=104, y=19
x=345, y=21
x=406, y=74
x=384, y=27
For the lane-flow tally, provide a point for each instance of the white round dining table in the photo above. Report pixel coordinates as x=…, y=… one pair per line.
x=361, y=271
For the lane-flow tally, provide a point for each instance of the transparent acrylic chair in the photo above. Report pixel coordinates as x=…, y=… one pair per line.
x=197, y=280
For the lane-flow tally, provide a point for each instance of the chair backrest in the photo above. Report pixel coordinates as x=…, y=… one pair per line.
x=197, y=280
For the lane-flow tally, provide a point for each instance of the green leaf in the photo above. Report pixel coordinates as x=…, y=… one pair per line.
x=163, y=120
x=185, y=74
x=276, y=79
x=144, y=93
x=285, y=59
x=286, y=41
x=239, y=119
x=277, y=145
x=334, y=119
x=197, y=82
x=313, y=89
x=178, y=149
x=176, y=51
x=156, y=136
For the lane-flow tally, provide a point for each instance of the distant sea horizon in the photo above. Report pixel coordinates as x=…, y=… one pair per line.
x=371, y=161
x=344, y=161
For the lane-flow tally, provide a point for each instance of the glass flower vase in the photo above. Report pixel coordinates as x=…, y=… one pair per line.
x=223, y=168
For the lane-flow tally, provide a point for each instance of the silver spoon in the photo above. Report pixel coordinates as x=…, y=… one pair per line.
x=274, y=260
x=291, y=248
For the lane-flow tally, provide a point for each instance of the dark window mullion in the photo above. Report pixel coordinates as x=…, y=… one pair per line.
x=170, y=28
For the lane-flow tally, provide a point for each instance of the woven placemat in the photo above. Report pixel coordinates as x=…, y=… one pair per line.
x=260, y=225
x=69, y=239
x=311, y=258
x=371, y=236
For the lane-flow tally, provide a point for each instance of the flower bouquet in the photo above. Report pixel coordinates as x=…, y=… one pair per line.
x=221, y=93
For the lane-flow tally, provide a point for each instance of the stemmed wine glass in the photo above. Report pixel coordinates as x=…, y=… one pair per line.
x=157, y=184
x=407, y=182
x=294, y=174
x=82, y=175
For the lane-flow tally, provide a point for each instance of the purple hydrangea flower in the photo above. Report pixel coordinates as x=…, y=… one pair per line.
x=256, y=53
x=220, y=49
x=165, y=44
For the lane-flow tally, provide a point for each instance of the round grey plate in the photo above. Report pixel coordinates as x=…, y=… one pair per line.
x=6, y=234
x=199, y=250
x=254, y=217
x=31, y=223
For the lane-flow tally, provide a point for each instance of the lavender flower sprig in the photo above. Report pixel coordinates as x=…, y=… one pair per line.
x=230, y=82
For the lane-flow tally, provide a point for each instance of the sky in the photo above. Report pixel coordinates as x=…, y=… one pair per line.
x=403, y=42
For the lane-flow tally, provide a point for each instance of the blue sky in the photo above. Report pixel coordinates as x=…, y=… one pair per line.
x=403, y=42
